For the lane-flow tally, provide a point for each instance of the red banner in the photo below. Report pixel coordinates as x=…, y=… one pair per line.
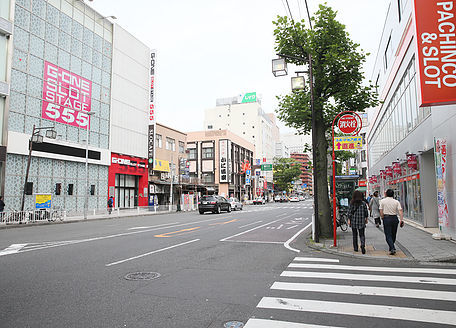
x=436, y=50
x=412, y=161
x=362, y=183
x=382, y=174
x=389, y=171
x=374, y=179
x=404, y=179
x=397, y=168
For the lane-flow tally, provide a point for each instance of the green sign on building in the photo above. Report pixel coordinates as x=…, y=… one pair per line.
x=266, y=167
x=249, y=97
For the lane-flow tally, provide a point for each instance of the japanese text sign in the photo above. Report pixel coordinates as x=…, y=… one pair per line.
x=66, y=97
x=224, y=167
x=436, y=50
x=440, y=155
x=347, y=124
x=348, y=143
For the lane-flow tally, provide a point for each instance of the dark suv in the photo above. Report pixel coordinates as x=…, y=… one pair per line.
x=214, y=204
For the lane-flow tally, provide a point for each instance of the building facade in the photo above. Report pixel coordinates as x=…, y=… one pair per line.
x=404, y=129
x=306, y=172
x=297, y=143
x=217, y=158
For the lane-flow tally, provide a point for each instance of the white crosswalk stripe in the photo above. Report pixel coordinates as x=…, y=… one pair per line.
x=413, y=296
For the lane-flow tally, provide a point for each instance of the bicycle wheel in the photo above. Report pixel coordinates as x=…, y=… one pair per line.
x=343, y=223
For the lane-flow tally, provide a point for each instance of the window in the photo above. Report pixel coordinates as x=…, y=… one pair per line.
x=170, y=144
x=388, y=52
x=158, y=141
x=208, y=153
x=209, y=127
x=208, y=178
x=192, y=154
x=399, y=9
x=181, y=147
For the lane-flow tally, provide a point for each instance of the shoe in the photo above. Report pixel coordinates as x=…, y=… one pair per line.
x=376, y=225
x=355, y=250
x=393, y=253
x=363, y=250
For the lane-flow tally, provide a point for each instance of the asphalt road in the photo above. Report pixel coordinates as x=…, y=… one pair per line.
x=213, y=269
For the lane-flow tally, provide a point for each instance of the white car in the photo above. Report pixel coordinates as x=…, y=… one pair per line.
x=235, y=204
x=301, y=198
x=294, y=199
x=259, y=200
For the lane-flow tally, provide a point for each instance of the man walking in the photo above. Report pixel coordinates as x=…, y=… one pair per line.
x=390, y=208
x=110, y=204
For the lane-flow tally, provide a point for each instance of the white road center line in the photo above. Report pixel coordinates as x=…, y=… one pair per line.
x=371, y=268
x=150, y=253
x=363, y=310
x=367, y=290
x=241, y=233
x=315, y=259
x=250, y=224
x=280, y=226
x=160, y=225
x=262, y=323
x=14, y=248
x=368, y=277
x=293, y=226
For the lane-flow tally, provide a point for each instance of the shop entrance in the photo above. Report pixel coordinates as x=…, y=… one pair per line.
x=126, y=190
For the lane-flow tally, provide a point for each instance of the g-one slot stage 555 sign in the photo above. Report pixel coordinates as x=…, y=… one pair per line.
x=66, y=97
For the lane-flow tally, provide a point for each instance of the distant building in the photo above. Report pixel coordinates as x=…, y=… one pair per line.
x=281, y=150
x=297, y=143
x=306, y=172
x=209, y=151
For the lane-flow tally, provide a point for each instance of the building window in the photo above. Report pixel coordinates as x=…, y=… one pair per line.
x=388, y=52
x=170, y=144
x=208, y=178
x=158, y=141
x=192, y=154
x=208, y=153
x=181, y=147
x=209, y=127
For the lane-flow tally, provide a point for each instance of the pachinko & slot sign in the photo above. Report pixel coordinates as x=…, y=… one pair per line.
x=66, y=97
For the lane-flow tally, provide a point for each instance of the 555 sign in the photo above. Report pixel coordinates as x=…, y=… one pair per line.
x=66, y=97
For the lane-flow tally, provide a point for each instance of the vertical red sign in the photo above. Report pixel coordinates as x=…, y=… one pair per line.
x=436, y=51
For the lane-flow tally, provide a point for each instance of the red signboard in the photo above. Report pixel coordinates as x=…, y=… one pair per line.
x=404, y=179
x=374, y=179
x=412, y=161
x=389, y=171
x=436, y=50
x=362, y=183
x=347, y=124
x=397, y=168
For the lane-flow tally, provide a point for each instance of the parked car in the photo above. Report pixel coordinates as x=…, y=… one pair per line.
x=301, y=198
x=214, y=204
x=259, y=201
x=235, y=204
x=277, y=198
x=294, y=199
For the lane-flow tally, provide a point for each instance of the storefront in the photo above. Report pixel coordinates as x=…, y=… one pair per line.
x=128, y=181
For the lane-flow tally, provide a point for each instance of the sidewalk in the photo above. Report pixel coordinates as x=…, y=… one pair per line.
x=413, y=243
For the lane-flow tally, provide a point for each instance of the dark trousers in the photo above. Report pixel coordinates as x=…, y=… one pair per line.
x=390, y=224
x=362, y=238
x=377, y=221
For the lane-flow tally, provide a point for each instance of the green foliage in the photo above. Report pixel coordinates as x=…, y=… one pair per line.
x=286, y=170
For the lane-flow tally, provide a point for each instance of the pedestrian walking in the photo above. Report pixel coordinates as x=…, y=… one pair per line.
x=2, y=208
x=374, y=207
x=357, y=219
x=390, y=208
x=110, y=204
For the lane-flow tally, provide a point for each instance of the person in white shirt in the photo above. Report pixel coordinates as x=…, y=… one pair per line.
x=390, y=208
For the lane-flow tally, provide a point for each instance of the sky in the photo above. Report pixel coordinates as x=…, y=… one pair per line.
x=209, y=49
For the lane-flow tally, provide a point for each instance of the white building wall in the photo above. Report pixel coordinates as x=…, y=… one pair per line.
x=130, y=94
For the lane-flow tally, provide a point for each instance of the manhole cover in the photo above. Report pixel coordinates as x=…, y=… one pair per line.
x=142, y=276
x=234, y=324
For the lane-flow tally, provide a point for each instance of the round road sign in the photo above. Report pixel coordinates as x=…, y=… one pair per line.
x=347, y=124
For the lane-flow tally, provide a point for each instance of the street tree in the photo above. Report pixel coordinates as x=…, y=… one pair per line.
x=338, y=86
x=286, y=170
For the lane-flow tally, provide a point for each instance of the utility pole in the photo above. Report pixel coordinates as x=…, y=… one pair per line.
x=171, y=186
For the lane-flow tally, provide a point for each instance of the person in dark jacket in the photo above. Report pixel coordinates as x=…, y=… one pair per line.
x=357, y=220
x=2, y=204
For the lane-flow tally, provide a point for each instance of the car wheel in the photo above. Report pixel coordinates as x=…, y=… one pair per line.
x=201, y=212
x=229, y=209
x=217, y=210
x=241, y=208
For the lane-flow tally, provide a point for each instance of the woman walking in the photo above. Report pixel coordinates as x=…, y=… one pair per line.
x=357, y=219
x=374, y=206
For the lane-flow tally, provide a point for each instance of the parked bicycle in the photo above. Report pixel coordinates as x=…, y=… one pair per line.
x=342, y=219
x=56, y=214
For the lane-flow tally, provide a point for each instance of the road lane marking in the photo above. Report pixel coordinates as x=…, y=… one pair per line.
x=264, y=323
x=363, y=310
x=250, y=224
x=366, y=290
x=287, y=243
x=176, y=233
x=160, y=225
x=280, y=226
x=150, y=253
x=255, y=242
x=282, y=214
x=371, y=268
x=368, y=277
x=241, y=233
x=293, y=226
x=222, y=223
x=14, y=248
x=315, y=259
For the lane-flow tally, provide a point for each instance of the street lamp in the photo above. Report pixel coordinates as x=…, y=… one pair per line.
x=279, y=68
x=86, y=195
x=36, y=137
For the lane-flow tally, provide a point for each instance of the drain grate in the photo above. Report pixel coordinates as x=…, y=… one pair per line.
x=234, y=324
x=138, y=276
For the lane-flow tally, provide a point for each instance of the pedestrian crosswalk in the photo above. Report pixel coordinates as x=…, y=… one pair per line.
x=322, y=292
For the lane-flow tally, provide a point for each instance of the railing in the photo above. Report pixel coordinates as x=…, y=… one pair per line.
x=17, y=217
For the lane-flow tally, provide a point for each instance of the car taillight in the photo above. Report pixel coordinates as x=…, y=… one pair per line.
x=199, y=203
x=213, y=203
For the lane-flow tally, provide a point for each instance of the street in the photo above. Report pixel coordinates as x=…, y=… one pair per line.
x=207, y=270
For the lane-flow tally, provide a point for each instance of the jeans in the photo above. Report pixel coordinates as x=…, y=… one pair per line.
x=390, y=224
x=362, y=238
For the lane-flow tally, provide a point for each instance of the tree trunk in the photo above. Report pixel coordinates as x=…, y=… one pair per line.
x=321, y=169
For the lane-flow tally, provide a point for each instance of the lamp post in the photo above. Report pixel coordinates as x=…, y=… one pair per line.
x=86, y=195
x=279, y=68
x=35, y=138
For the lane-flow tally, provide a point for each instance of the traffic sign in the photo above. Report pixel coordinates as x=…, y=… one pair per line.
x=348, y=143
x=347, y=124
x=266, y=167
